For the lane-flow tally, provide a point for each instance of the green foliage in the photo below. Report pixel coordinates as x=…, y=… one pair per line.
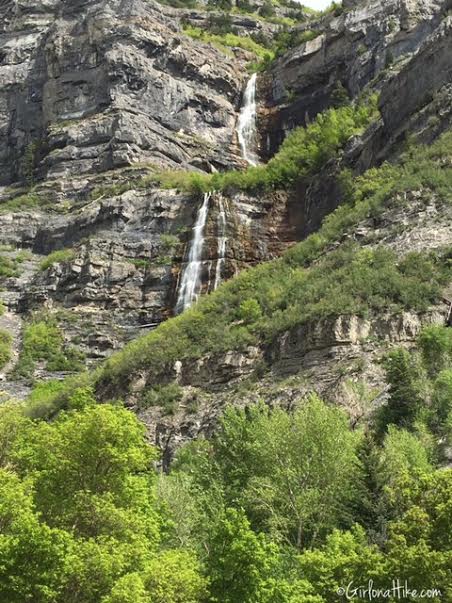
x=267, y=9
x=29, y=162
x=241, y=563
x=44, y=341
x=140, y=263
x=420, y=397
x=10, y=265
x=435, y=343
x=441, y=407
x=128, y=589
x=220, y=23
x=250, y=311
x=227, y=40
x=174, y=577
x=220, y=4
x=403, y=455
x=302, y=483
x=285, y=470
x=406, y=390
x=5, y=347
x=303, y=152
x=169, y=242
x=287, y=39
x=82, y=521
x=164, y=396
x=83, y=466
x=32, y=555
x=345, y=557
x=346, y=281
x=27, y=201
x=79, y=517
x=340, y=96
x=59, y=256
x=335, y=8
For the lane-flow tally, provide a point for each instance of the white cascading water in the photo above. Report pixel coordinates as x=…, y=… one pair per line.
x=221, y=222
x=246, y=125
x=191, y=278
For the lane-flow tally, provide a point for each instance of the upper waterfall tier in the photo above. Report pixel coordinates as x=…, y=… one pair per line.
x=246, y=125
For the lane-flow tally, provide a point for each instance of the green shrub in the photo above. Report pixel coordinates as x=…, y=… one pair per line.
x=250, y=311
x=8, y=267
x=29, y=162
x=168, y=242
x=223, y=5
x=227, y=40
x=43, y=341
x=140, y=263
x=285, y=40
x=24, y=202
x=435, y=343
x=220, y=24
x=267, y=9
x=5, y=348
x=59, y=256
x=163, y=396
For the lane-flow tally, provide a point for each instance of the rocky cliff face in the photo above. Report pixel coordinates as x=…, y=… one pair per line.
x=97, y=85
x=357, y=50
x=96, y=94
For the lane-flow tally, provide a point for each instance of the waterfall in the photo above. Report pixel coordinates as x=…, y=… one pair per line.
x=246, y=125
x=191, y=278
x=221, y=222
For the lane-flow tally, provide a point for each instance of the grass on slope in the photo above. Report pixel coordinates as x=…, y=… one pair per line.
x=228, y=40
x=264, y=301
x=306, y=284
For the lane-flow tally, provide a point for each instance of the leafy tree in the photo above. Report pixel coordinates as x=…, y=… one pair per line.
x=302, y=482
x=240, y=562
x=420, y=539
x=435, y=343
x=13, y=423
x=403, y=454
x=441, y=400
x=174, y=577
x=128, y=589
x=406, y=402
x=32, y=555
x=81, y=459
x=345, y=557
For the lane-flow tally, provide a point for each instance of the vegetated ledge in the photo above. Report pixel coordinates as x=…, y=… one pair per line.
x=317, y=279
x=301, y=155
